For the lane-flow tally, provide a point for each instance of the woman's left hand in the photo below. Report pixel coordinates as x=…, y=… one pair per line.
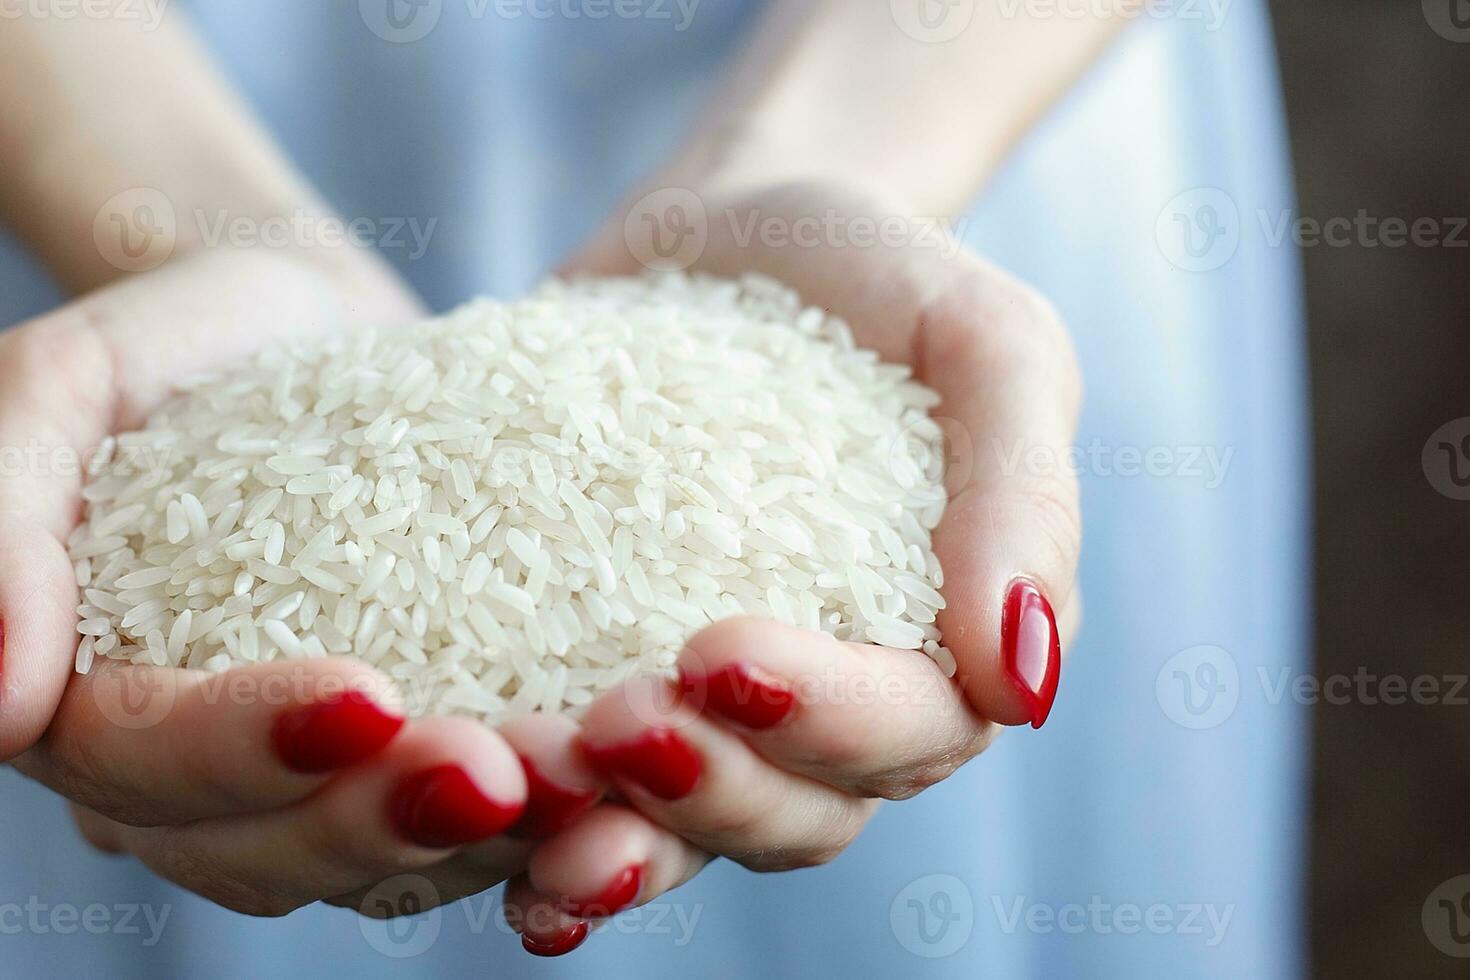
x=774, y=744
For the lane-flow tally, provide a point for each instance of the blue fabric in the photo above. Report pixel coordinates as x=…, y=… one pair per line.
x=1154, y=828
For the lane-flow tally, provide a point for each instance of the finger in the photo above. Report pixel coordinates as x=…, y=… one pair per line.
x=544, y=928
x=613, y=859
x=560, y=785
x=38, y=629
x=702, y=782
x=1011, y=535
x=152, y=746
x=98, y=365
x=867, y=720
x=51, y=403
x=444, y=783
x=468, y=871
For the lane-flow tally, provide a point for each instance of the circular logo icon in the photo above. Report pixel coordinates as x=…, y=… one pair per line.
x=1199, y=230
x=401, y=21
x=946, y=456
x=136, y=230
x=401, y=917
x=1199, y=687
x=1446, y=459
x=1450, y=19
x=667, y=229
x=1446, y=917
x=136, y=696
x=933, y=916
x=656, y=702
x=932, y=21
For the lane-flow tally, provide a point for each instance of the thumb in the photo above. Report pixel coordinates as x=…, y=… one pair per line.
x=38, y=638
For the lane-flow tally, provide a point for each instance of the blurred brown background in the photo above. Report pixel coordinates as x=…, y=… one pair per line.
x=1377, y=101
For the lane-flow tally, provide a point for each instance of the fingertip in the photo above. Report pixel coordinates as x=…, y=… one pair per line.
x=598, y=866
x=560, y=784
x=333, y=732
x=461, y=782
x=1015, y=682
x=544, y=928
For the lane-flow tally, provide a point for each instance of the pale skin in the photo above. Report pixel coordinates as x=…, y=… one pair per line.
x=908, y=130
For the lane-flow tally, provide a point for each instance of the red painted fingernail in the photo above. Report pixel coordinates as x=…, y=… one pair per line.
x=558, y=945
x=1031, y=649
x=743, y=693
x=338, y=731
x=660, y=761
x=621, y=892
x=549, y=807
x=442, y=807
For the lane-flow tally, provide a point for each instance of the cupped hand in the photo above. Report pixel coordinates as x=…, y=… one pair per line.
x=265, y=788
x=773, y=744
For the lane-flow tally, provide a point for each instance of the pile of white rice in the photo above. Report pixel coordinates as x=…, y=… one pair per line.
x=512, y=507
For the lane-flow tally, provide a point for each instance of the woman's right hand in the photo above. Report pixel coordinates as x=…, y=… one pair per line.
x=266, y=788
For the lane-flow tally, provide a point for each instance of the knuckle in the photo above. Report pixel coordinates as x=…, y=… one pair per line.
x=938, y=763
x=835, y=836
x=74, y=770
x=789, y=859
x=347, y=850
x=912, y=781
x=900, y=784
x=837, y=749
x=732, y=822
x=1049, y=506
x=173, y=856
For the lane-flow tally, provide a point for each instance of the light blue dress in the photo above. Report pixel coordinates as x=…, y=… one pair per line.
x=1155, y=827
